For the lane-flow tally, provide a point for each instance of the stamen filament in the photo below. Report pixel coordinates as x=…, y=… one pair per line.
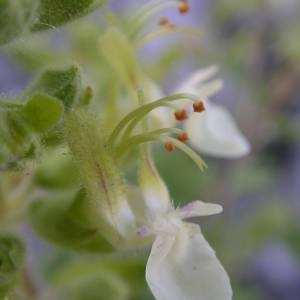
x=187, y=150
x=153, y=35
x=142, y=111
x=155, y=136
x=134, y=141
x=144, y=137
x=146, y=7
x=146, y=13
x=135, y=122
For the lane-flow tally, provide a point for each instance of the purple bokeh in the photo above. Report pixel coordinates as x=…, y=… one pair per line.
x=276, y=271
x=13, y=79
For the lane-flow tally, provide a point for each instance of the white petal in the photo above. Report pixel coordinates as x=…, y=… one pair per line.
x=123, y=219
x=197, y=78
x=209, y=89
x=156, y=195
x=185, y=267
x=214, y=132
x=198, y=208
x=203, y=92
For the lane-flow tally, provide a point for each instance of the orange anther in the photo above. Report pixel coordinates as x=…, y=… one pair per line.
x=163, y=21
x=184, y=7
x=183, y=137
x=199, y=106
x=181, y=115
x=172, y=26
x=169, y=146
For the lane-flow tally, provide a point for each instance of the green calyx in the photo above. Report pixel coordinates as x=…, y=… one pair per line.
x=101, y=176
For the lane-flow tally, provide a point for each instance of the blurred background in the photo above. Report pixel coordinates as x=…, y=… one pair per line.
x=257, y=47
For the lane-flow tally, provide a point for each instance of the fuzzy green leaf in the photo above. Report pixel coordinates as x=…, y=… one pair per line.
x=53, y=13
x=37, y=111
x=16, y=139
x=19, y=17
x=42, y=112
x=63, y=84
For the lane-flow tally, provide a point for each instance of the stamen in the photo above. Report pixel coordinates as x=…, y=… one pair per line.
x=158, y=136
x=142, y=17
x=152, y=136
x=181, y=115
x=166, y=30
x=139, y=113
x=169, y=146
x=199, y=107
x=163, y=21
x=172, y=26
x=184, y=7
x=183, y=137
x=192, y=154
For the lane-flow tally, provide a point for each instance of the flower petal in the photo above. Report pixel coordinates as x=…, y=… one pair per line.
x=198, y=77
x=215, y=133
x=198, y=208
x=209, y=89
x=155, y=192
x=184, y=267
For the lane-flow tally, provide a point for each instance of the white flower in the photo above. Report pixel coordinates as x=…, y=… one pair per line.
x=214, y=131
x=181, y=265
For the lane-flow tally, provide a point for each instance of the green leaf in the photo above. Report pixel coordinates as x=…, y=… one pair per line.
x=16, y=139
x=63, y=84
x=63, y=219
x=11, y=262
x=19, y=17
x=37, y=111
x=15, y=17
x=42, y=112
x=83, y=282
x=53, y=13
x=125, y=274
x=57, y=170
